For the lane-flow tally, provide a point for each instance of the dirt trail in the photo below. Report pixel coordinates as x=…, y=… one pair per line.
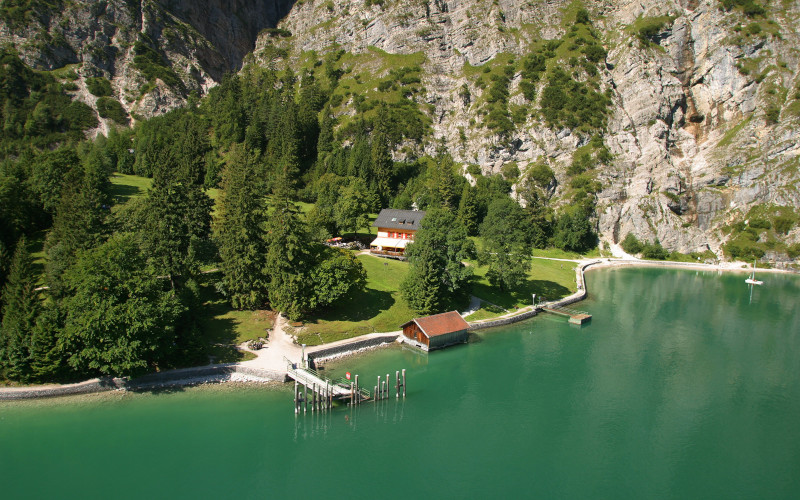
x=279, y=346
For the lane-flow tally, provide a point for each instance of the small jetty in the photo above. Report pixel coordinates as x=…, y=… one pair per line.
x=316, y=392
x=575, y=316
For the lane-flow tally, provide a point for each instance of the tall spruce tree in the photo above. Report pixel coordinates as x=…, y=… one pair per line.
x=178, y=220
x=79, y=221
x=288, y=256
x=468, y=210
x=240, y=232
x=20, y=309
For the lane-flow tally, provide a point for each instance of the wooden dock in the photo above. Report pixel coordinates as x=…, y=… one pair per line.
x=575, y=317
x=319, y=392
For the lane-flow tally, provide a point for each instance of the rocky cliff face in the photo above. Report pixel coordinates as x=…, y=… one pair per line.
x=194, y=43
x=705, y=101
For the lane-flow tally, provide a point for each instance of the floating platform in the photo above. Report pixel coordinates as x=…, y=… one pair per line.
x=575, y=317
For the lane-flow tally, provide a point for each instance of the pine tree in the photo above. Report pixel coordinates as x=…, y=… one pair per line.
x=20, y=309
x=240, y=232
x=468, y=210
x=178, y=221
x=48, y=362
x=381, y=163
x=288, y=257
x=78, y=223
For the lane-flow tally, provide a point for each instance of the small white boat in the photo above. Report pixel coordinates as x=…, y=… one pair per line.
x=752, y=279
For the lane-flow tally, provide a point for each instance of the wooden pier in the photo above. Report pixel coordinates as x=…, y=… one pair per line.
x=319, y=392
x=575, y=317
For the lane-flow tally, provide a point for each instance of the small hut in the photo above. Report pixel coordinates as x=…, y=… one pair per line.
x=437, y=331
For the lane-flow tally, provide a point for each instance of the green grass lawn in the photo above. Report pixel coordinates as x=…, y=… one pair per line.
x=378, y=308
x=223, y=324
x=125, y=187
x=555, y=253
x=36, y=249
x=486, y=311
x=547, y=279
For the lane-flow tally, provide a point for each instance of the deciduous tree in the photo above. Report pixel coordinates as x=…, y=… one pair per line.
x=505, y=241
x=119, y=320
x=437, y=279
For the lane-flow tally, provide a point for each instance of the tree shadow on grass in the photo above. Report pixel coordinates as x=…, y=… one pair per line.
x=360, y=306
x=123, y=192
x=522, y=294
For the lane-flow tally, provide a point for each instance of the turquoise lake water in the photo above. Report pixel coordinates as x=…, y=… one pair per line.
x=682, y=386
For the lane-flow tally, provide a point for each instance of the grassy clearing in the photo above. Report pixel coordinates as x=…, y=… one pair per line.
x=125, y=187
x=555, y=253
x=223, y=325
x=486, y=311
x=36, y=249
x=548, y=279
x=379, y=308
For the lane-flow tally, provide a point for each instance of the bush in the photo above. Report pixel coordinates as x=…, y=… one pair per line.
x=99, y=86
x=784, y=223
x=108, y=107
x=542, y=175
x=631, y=244
x=650, y=28
x=654, y=251
x=772, y=114
x=148, y=62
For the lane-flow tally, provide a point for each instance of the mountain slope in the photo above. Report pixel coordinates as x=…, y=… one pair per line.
x=701, y=113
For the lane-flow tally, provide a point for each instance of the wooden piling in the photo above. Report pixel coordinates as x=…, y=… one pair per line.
x=352, y=394
x=397, y=384
x=358, y=392
x=377, y=394
x=296, y=402
x=387, y=386
x=404, y=382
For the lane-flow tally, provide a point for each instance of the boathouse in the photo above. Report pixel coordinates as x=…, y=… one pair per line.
x=396, y=229
x=437, y=331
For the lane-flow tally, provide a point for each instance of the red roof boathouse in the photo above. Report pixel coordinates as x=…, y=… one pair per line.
x=437, y=331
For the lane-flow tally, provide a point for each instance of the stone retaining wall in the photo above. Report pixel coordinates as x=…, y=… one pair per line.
x=87, y=387
x=172, y=377
x=575, y=297
x=189, y=374
x=503, y=321
x=352, y=347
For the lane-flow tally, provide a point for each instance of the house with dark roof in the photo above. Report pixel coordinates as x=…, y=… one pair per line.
x=396, y=229
x=437, y=331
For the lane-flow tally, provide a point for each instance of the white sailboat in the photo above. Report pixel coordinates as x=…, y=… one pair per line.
x=752, y=279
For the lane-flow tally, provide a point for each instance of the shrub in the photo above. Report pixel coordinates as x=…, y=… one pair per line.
x=631, y=244
x=654, y=251
x=772, y=114
x=510, y=171
x=99, y=86
x=542, y=175
x=784, y=223
x=108, y=107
